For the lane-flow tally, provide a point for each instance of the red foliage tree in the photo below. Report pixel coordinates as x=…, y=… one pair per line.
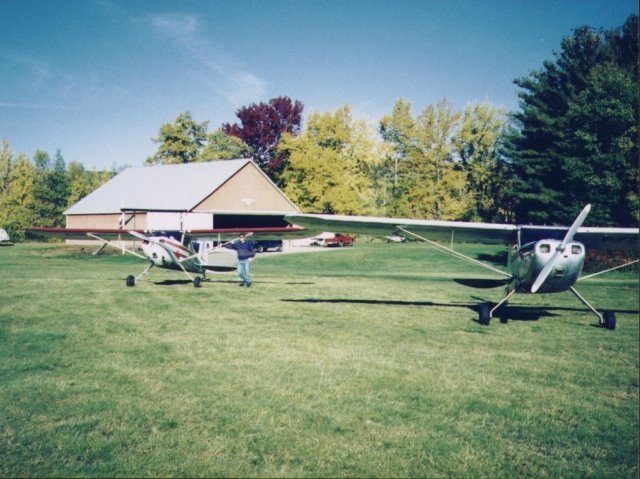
x=261, y=127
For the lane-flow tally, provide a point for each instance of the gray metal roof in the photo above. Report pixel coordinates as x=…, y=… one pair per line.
x=160, y=187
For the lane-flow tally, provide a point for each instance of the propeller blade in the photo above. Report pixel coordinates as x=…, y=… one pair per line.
x=546, y=271
x=576, y=224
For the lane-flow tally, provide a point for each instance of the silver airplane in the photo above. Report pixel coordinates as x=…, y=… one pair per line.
x=542, y=259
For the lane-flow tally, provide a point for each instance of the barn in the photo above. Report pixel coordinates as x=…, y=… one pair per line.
x=217, y=194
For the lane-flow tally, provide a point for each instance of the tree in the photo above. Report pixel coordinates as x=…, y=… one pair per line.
x=399, y=132
x=556, y=123
x=221, y=146
x=433, y=185
x=427, y=182
x=329, y=164
x=50, y=190
x=477, y=143
x=6, y=163
x=17, y=203
x=262, y=126
x=180, y=142
x=603, y=166
x=82, y=182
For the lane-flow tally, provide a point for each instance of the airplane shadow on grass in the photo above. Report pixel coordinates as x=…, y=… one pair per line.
x=175, y=282
x=510, y=312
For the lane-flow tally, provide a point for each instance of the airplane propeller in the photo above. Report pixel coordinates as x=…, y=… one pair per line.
x=546, y=271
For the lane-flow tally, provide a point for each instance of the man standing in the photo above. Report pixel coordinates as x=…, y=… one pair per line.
x=246, y=251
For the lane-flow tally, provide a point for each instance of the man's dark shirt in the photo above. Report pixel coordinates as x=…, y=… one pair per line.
x=245, y=250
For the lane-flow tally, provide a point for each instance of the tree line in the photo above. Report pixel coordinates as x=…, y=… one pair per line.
x=573, y=141
x=36, y=192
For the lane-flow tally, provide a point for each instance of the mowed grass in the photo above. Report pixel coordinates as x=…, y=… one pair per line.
x=366, y=361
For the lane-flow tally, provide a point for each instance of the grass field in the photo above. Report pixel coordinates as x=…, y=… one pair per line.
x=360, y=362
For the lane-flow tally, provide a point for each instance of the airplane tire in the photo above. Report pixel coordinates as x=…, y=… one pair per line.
x=131, y=281
x=196, y=281
x=609, y=318
x=483, y=314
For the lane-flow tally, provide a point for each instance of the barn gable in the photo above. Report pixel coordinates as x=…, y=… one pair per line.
x=248, y=190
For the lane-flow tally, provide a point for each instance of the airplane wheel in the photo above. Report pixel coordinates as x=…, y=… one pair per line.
x=196, y=281
x=131, y=281
x=483, y=317
x=609, y=319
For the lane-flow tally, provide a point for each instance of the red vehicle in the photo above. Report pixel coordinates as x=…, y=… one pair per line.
x=337, y=240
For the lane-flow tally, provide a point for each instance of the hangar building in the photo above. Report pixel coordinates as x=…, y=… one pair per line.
x=217, y=194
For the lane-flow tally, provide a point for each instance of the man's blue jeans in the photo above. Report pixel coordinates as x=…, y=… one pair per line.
x=243, y=271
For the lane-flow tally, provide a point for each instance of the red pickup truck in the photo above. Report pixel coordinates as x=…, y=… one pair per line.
x=337, y=240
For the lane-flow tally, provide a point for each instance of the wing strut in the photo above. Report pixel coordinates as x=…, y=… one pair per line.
x=587, y=304
x=106, y=243
x=455, y=253
x=608, y=270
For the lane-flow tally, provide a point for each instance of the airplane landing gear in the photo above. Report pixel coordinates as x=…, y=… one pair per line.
x=131, y=281
x=483, y=314
x=196, y=281
x=609, y=320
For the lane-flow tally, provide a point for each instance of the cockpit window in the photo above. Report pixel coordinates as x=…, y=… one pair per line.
x=576, y=249
x=545, y=248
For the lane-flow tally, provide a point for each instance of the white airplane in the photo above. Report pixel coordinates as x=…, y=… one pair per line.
x=543, y=259
x=193, y=252
x=4, y=238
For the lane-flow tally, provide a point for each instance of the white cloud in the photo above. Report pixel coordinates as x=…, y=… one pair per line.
x=42, y=84
x=220, y=72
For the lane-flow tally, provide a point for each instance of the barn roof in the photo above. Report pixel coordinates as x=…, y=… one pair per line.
x=161, y=187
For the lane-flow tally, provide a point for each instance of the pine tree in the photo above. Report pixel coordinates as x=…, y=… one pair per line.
x=555, y=153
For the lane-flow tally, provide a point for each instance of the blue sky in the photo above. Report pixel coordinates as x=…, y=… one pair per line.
x=97, y=78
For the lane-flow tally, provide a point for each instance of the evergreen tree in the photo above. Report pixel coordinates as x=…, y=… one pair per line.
x=602, y=163
x=558, y=145
x=51, y=189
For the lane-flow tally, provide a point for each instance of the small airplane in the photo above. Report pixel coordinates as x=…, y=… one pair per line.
x=542, y=259
x=4, y=238
x=193, y=252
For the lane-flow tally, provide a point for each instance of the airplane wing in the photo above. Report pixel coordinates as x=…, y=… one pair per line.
x=490, y=233
x=224, y=233
x=433, y=229
x=78, y=233
x=593, y=238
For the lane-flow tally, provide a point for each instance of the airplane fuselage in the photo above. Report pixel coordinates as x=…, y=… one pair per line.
x=528, y=261
x=204, y=257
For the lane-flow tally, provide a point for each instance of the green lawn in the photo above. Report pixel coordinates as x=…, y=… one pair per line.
x=366, y=361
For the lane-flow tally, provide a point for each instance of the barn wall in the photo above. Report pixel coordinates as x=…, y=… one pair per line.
x=248, y=190
x=105, y=221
